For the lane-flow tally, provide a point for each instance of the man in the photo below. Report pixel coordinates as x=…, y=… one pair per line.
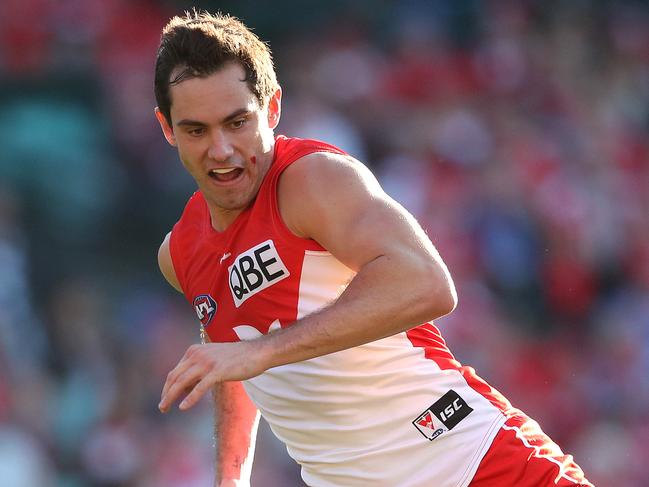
x=311, y=286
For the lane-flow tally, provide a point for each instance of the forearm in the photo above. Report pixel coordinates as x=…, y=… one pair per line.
x=236, y=419
x=383, y=299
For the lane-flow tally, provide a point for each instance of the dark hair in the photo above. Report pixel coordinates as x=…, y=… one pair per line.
x=199, y=44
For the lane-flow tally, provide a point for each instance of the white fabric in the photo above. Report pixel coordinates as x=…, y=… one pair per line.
x=347, y=417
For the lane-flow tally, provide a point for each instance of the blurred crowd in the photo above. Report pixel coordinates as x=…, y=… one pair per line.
x=516, y=131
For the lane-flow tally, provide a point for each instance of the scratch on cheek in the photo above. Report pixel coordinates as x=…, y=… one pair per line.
x=253, y=160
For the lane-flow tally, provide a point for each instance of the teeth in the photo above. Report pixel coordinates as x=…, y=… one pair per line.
x=223, y=171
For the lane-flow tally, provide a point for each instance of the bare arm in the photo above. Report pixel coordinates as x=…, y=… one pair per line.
x=401, y=281
x=235, y=416
x=235, y=431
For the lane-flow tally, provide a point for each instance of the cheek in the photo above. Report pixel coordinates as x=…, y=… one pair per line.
x=186, y=160
x=189, y=156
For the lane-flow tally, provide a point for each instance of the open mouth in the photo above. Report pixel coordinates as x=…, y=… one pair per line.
x=225, y=175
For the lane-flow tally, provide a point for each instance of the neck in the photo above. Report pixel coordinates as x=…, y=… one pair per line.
x=221, y=218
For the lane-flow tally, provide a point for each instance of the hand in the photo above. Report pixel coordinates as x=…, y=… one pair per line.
x=205, y=365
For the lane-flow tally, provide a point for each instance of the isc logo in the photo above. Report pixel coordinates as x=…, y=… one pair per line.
x=255, y=270
x=450, y=409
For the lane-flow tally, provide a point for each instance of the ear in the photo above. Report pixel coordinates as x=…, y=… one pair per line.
x=166, y=128
x=275, y=108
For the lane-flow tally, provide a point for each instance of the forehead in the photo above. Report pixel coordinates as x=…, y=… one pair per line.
x=212, y=97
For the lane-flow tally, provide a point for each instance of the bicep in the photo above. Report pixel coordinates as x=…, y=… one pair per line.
x=338, y=202
x=166, y=264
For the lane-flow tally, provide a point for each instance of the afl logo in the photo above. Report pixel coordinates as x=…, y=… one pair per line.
x=205, y=307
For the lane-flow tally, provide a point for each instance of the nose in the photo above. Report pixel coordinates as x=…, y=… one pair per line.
x=220, y=147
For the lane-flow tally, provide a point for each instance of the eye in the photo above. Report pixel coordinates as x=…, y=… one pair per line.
x=196, y=132
x=237, y=124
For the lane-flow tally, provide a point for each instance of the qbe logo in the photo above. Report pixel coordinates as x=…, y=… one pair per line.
x=205, y=307
x=254, y=270
x=442, y=416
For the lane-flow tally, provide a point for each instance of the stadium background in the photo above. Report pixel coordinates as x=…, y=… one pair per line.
x=516, y=131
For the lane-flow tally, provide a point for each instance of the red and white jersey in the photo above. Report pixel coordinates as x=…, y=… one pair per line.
x=397, y=412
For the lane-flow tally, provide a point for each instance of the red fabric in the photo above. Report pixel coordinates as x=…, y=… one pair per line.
x=428, y=337
x=201, y=256
x=522, y=455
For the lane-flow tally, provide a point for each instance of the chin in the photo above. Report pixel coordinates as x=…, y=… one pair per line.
x=232, y=205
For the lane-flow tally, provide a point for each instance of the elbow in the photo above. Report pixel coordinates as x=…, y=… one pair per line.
x=442, y=302
x=438, y=294
x=447, y=301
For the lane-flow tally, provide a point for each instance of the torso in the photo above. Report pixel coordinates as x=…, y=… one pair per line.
x=357, y=417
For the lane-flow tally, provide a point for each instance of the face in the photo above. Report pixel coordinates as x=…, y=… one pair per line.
x=224, y=138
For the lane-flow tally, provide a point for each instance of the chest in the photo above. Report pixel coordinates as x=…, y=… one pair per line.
x=242, y=286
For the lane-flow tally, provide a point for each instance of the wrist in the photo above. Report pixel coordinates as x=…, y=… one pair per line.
x=265, y=350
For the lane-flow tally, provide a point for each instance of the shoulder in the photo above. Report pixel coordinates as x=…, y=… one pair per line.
x=311, y=174
x=322, y=183
x=293, y=148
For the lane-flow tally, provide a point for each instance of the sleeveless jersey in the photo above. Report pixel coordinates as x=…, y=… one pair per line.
x=397, y=412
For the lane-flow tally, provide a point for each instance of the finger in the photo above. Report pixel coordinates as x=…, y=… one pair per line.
x=181, y=385
x=171, y=378
x=185, y=362
x=199, y=390
x=183, y=382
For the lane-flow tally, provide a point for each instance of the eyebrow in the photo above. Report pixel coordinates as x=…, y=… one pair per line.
x=195, y=123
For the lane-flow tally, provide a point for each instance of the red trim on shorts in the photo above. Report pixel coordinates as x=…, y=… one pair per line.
x=522, y=455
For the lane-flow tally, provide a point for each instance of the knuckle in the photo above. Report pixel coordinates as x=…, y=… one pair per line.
x=194, y=351
x=180, y=381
